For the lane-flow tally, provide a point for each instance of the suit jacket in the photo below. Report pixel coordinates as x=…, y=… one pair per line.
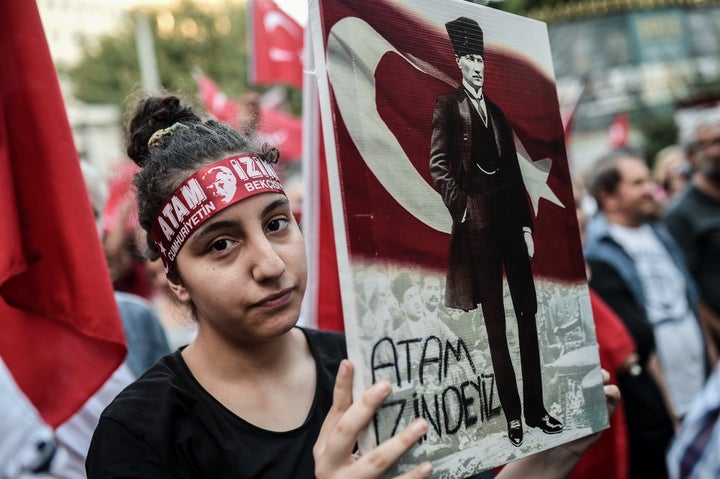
x=450, y=161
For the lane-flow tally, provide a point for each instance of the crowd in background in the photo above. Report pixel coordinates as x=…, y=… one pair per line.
x=652, y=245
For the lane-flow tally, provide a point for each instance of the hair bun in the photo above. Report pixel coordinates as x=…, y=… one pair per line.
x=151, y=114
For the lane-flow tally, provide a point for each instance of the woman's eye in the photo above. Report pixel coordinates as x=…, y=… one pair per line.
x=277, y=224
x=221, y=245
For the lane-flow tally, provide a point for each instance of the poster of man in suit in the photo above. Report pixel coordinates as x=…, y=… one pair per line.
x=474, y=165
x=455, y=230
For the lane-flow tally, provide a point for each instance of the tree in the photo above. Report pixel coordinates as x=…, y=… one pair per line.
x=214, y=41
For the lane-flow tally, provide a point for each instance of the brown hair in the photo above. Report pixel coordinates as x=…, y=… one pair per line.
x=178, y=154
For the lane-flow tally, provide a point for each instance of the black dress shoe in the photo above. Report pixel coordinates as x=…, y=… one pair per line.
x=515, y=432
x=547, y=423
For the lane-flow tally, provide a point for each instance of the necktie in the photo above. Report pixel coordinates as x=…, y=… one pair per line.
x=479, y=108
x=481, y=111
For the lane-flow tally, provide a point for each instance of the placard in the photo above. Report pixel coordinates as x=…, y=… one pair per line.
x=461, y=269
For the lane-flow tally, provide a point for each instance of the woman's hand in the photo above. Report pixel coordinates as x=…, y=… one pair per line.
x=333, y=450
x=559, y=461
x=612, y=399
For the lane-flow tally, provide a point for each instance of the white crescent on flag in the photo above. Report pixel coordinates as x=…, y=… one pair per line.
x=354, y=51
x=274, y=20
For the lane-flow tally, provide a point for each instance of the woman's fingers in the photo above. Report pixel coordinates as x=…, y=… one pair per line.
x=346, y=419
x=612, y=397
x=353, y=420
x=612, y=393
x=380, y=459
x=420, y=472
x=342, y=399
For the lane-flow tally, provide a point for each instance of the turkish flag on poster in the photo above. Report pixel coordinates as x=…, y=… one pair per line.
x=276, y=46
x=399, y=127
x=62, y=336
x=391, y=99
x=274, y=127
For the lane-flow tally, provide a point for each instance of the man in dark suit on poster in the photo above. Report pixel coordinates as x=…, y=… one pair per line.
x=474, y=165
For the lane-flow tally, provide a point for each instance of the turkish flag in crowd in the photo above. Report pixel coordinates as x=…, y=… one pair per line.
x=275, y=127
x=619, y=131
x=276, y=46
x=282, y=129
x=62, y=336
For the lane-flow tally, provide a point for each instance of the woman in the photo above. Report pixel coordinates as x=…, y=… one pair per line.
x=252, y=395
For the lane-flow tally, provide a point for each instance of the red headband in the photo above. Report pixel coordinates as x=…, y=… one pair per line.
x=204, y=194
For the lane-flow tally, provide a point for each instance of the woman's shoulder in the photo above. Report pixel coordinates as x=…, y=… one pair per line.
x=333, y=340
x=328, y=347
x=165, y=386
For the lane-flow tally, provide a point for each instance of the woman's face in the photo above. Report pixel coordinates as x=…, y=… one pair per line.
x=245, y=270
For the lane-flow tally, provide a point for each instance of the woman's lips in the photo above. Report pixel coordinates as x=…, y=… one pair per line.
x=276, y=299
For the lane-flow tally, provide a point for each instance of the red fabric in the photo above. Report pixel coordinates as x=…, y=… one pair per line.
x=61, y=331
x=276, y=46
x=275, y=127
x=216, y=103
x=120, y=193
x=619, y=131
x=279, y=128
x=207, y=192
x=329, y=303
x=609, y=456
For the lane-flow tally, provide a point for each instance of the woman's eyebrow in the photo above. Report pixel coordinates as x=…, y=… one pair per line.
x=222, y=224
x=212, y=227
x=275, y=204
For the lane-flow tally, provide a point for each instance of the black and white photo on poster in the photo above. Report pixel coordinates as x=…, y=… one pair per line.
x=462, y=276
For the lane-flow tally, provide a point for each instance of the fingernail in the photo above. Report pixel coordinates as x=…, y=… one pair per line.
x=381, y=389
x=426, y=469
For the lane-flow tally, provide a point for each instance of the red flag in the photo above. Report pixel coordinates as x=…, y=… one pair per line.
x=276, y=46
x=62, y=336
x=619, y=131
x=329, y=304
x=217, y=104
x=282, y=129
x=275, y=127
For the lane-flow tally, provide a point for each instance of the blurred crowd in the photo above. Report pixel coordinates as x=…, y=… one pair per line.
x=652, y=246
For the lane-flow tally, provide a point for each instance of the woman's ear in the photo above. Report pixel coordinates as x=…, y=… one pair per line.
x=178, y=288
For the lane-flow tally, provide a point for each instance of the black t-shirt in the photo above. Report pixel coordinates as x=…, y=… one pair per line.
x=165, y=425
x=694, y=219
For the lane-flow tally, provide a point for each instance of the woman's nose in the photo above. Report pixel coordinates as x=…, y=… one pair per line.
x=266, y=262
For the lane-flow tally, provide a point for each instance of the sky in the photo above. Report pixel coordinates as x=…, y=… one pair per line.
x=296, y=8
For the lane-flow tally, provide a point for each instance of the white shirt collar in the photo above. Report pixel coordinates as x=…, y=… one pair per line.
x=478, y=100
x=476, y=94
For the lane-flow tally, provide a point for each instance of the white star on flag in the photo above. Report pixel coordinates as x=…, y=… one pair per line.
x=535, y=175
